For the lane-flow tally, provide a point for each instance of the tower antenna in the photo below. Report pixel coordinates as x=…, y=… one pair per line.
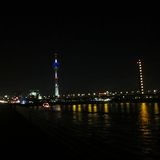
x=141, y=82
x=56, y=68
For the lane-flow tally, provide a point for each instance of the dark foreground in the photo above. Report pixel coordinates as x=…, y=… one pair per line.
x=20, y=139
x=123, y=132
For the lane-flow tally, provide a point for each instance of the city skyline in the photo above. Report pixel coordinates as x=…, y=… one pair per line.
x=96, y=53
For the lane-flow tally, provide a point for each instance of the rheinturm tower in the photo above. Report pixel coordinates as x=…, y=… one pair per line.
x=56, y=67
x=141, y=80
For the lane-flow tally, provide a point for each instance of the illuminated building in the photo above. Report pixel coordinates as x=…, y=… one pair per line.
x=34, y=94
x=56, y=67
x=140, y=76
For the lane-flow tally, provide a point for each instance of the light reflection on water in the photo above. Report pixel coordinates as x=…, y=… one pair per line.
x=156, y=108
x=95, y=108
x=144, y=115
x=131, y=127
x=144, y=119
x=106, y=108
x=79, y=108
x=89, y=108
x=142, y=108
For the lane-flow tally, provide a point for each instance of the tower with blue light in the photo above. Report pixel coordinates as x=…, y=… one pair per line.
x=56, y=67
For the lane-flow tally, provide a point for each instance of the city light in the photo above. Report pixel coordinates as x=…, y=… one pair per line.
x=141, y=77
x=3, y=101
x=56, y=67
x=46, y=105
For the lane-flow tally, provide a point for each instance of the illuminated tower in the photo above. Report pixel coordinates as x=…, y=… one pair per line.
x=141, y=76
x=56, y=67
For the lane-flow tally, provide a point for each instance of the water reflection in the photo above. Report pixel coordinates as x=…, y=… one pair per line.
x=122, y=107
x=131, y=127
x=142, y=109
x=74, y=108
x=145, y=123
x=94, y=108
x=57, y=108
x=79, y=108
x=128, y=107
x=156, y=109
x=69, y=107
x=90, y=108
x=144, y=115
x=106, y=108
x=145, y=128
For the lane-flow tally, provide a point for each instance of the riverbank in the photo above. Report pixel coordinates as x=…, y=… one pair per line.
x=20, y=138
x=121, y=131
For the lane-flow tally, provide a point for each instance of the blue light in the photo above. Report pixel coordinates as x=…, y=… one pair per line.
x=23, y=101
x=56, y=64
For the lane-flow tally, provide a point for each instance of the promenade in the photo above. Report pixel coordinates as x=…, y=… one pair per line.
x=20, y=139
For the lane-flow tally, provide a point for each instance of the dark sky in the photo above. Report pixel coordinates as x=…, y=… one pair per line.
x=97, y=53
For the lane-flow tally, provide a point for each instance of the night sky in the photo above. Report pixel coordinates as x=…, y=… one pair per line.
x=96, y=53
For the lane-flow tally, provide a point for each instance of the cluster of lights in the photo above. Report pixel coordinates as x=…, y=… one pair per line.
x=86, y=94
x=46, y=105
x=56, y=67
x=15, y=100
x=141, y=77
x=3, y=101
